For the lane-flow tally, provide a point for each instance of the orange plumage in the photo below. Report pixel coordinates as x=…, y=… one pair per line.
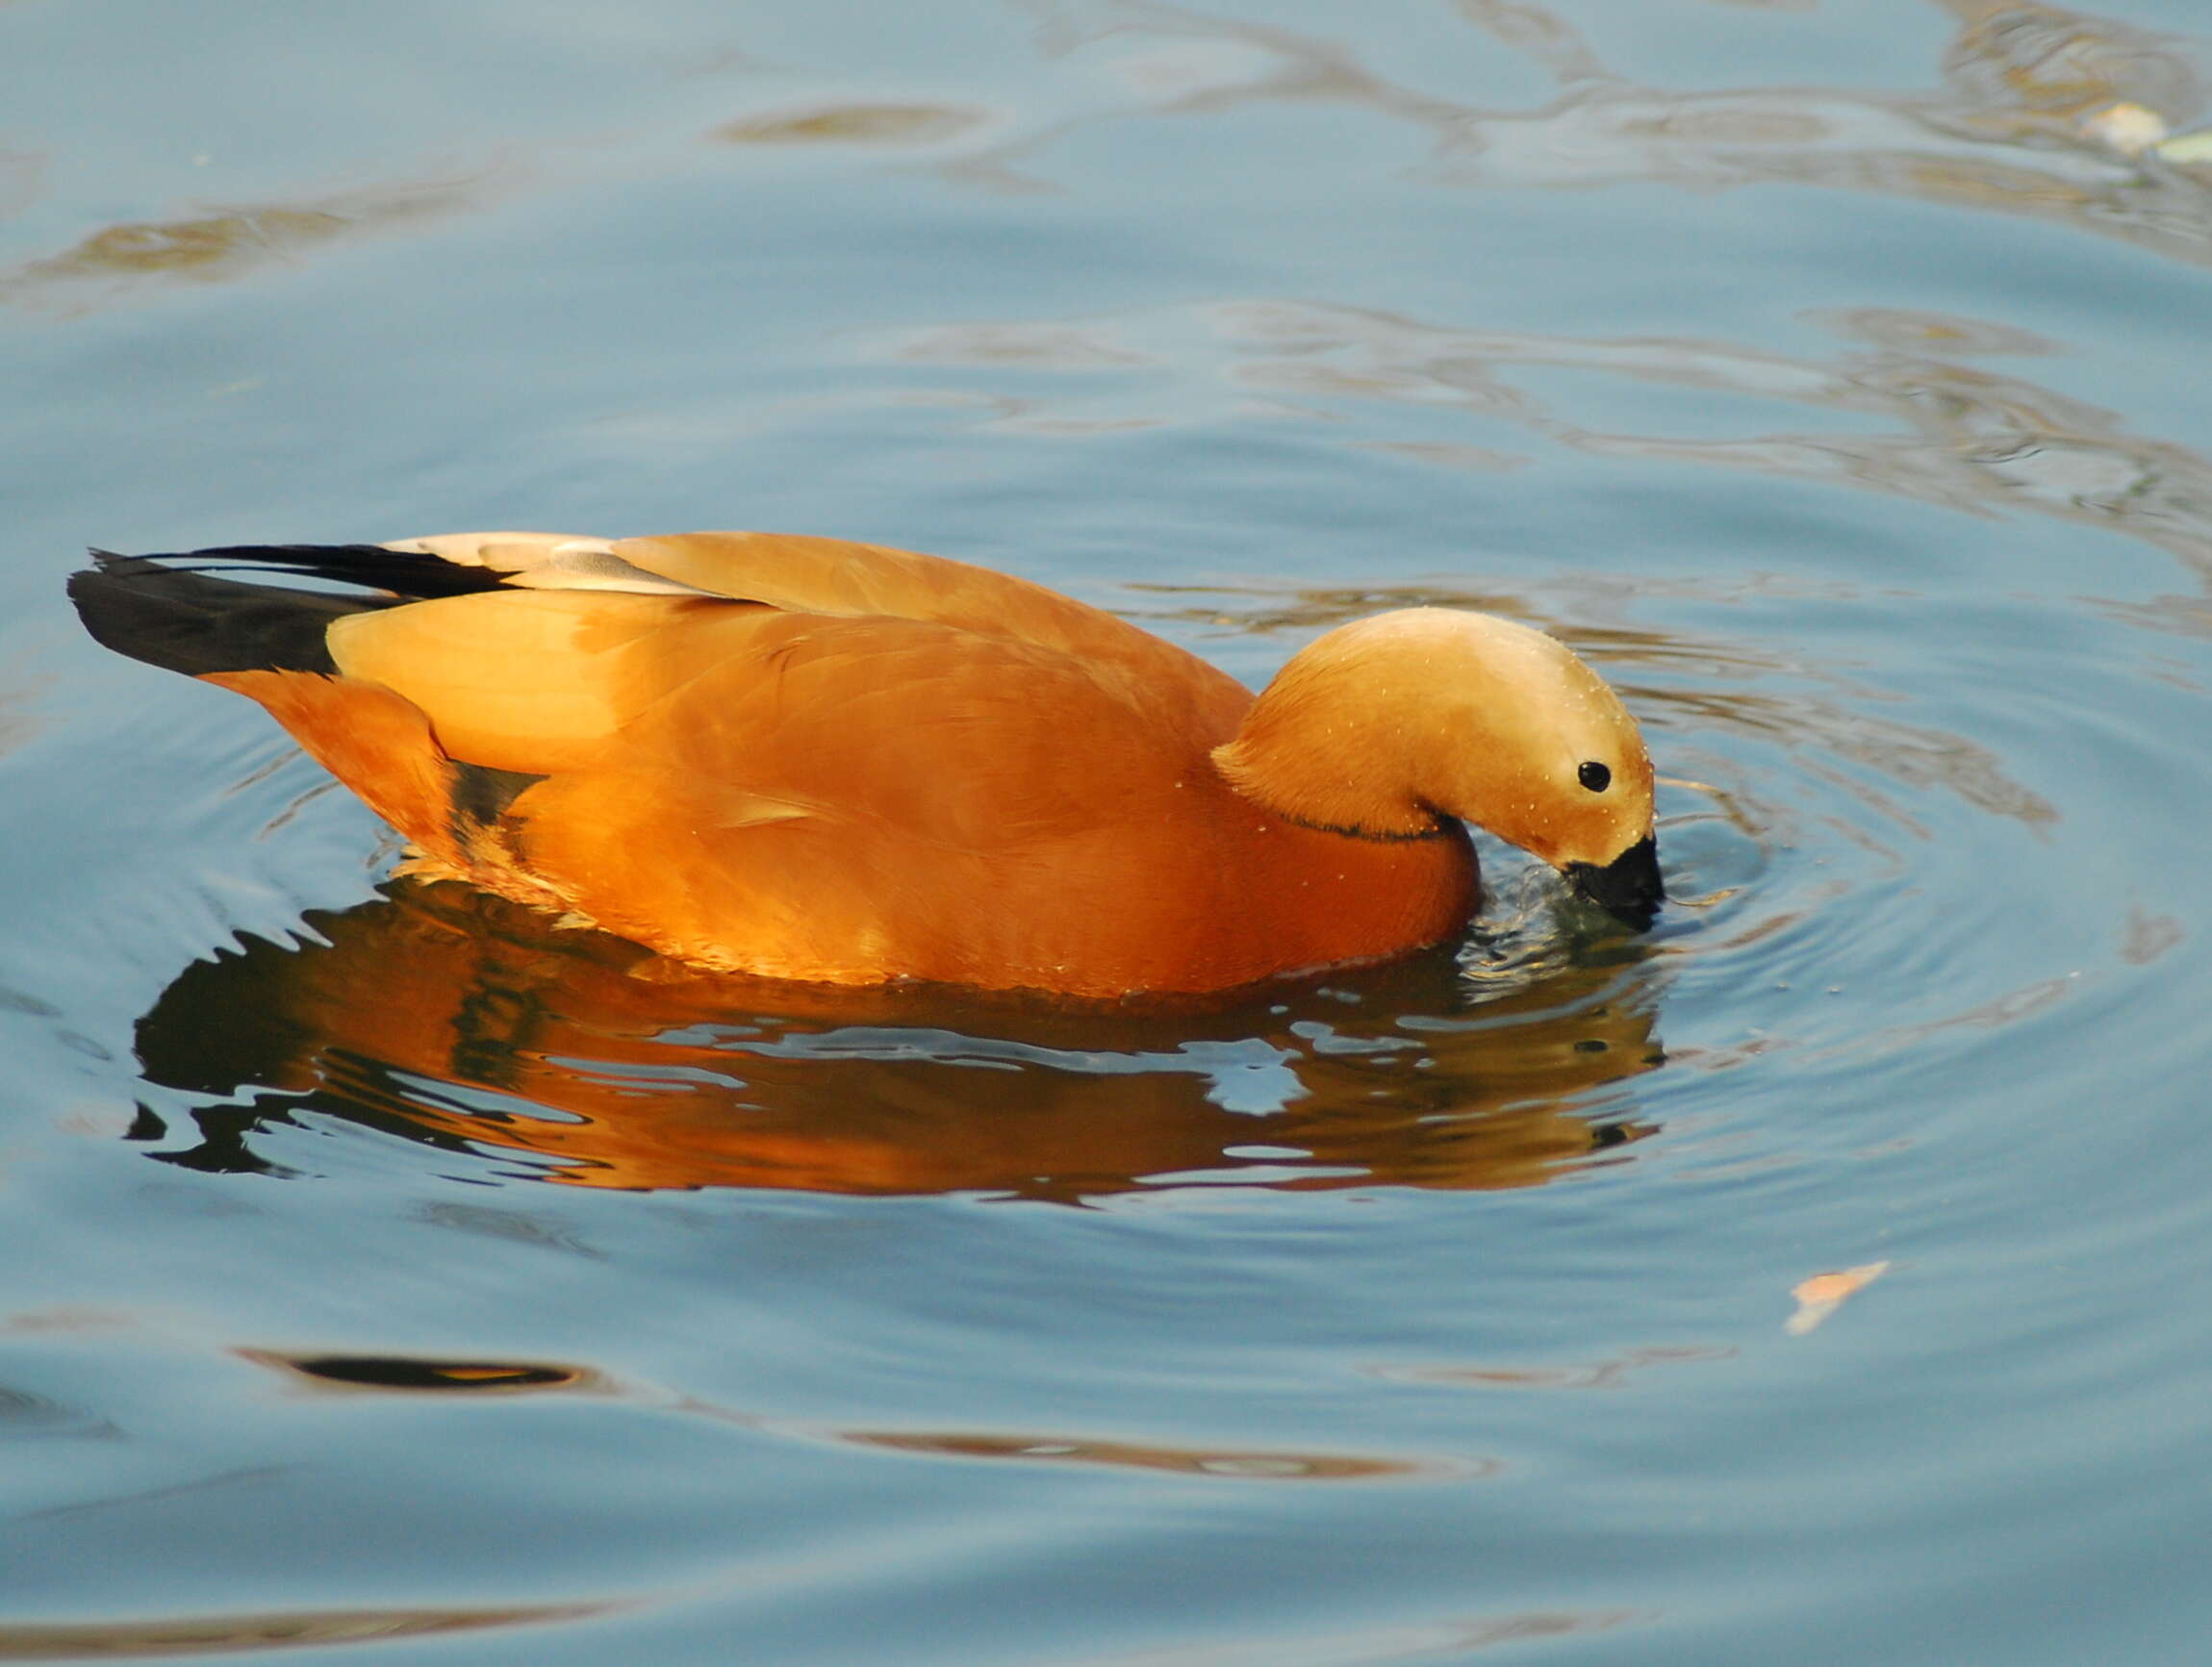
x=815, y=760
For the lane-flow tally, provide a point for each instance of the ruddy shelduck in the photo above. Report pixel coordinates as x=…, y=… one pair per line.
x=810, y=759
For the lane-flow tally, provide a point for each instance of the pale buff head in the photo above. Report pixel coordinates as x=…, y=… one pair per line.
x=1385, y=725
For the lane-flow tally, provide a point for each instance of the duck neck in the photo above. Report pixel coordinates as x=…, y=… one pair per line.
x=1336, y=741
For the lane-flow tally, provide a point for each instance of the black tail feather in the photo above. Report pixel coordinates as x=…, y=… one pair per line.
x=401, y=573
x=169, y=610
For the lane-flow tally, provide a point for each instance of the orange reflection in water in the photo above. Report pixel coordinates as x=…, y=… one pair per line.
x=456, y=1019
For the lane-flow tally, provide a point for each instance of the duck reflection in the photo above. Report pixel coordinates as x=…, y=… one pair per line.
x=456, y=1019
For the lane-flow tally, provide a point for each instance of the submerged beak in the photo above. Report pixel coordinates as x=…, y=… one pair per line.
x=1628, y=888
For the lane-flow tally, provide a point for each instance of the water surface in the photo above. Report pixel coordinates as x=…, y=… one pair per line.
x=388, y=1275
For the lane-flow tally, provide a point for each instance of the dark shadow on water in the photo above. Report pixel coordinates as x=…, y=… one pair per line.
x=225, y=1633
x=461, y=1023
x=417, y=1375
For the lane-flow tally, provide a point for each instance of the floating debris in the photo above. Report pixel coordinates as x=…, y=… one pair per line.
x=2128, y=128
x=1823, y=1293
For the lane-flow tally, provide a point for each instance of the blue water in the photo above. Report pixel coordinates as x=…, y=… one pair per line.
x=382, y=1274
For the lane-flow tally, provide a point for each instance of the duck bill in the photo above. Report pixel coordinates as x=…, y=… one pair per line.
x=1628, y=888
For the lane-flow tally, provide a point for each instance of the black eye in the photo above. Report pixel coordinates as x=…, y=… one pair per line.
x=1595, y=776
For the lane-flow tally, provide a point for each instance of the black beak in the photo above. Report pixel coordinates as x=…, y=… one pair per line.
x=1628, y=888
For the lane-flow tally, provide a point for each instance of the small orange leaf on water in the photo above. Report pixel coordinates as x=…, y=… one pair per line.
x=1823, y=1293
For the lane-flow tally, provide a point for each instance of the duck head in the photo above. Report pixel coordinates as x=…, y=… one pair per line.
x=1387, y=725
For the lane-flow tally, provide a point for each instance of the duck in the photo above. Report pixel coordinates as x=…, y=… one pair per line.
x=810, y=759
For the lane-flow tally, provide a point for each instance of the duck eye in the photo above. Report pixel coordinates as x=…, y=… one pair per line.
x=1594, y=777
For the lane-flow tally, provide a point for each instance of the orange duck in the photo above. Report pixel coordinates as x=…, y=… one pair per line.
x=810, y=759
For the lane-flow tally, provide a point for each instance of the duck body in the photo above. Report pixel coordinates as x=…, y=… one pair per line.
x=814, y=760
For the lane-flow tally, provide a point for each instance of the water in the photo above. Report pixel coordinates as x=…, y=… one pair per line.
x=379, y=1268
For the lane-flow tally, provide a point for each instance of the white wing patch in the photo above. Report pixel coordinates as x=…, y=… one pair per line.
x=547, y=562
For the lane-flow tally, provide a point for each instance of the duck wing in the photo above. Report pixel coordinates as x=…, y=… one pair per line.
x=842, y=578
